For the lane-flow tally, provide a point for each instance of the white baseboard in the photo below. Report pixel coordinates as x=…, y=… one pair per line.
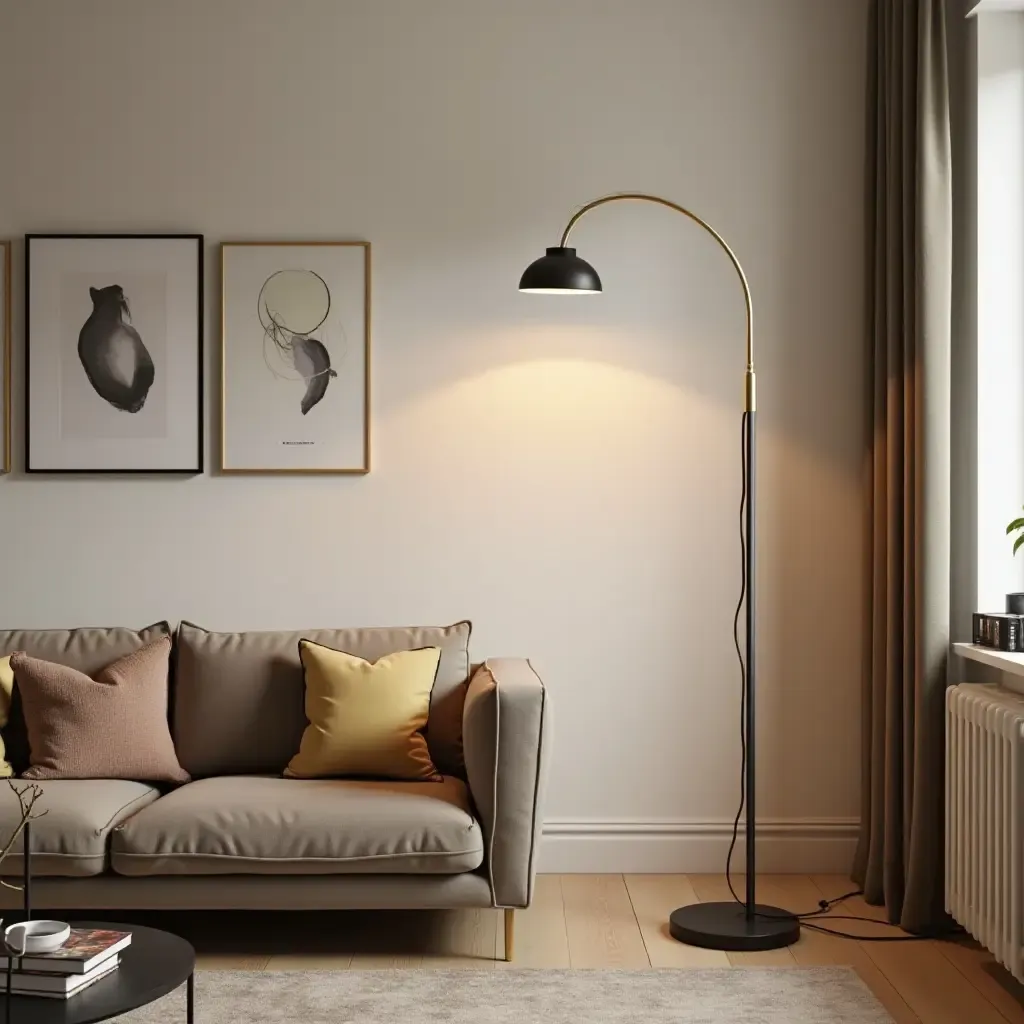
x=800, y=845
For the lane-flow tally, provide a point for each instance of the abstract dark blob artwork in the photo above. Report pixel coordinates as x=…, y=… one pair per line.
x=113, y=354
x=293, y=306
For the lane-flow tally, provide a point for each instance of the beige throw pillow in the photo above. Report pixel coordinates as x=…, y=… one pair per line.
x=110, y=727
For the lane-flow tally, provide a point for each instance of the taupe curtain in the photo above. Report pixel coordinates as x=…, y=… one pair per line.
x=899, y=858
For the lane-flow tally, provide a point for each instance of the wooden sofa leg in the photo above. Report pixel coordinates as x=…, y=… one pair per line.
x=510, y=933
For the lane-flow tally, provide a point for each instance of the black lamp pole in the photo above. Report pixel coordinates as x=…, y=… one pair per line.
x=735, y=925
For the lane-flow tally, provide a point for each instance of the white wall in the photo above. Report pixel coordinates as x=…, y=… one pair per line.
x=988, y=6
x=1000, y=301
x=564, y=473
x=964, y=396
x=988, y=415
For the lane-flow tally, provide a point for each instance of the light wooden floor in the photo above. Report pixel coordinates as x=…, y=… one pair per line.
x=616, y=921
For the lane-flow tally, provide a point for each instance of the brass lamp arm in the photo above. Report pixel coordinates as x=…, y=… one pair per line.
x=647, y=198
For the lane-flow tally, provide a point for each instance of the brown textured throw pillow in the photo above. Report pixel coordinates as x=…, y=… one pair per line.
x=110, y=727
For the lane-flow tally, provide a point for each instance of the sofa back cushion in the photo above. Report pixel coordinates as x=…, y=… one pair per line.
x=88, y=649
x=238, y=698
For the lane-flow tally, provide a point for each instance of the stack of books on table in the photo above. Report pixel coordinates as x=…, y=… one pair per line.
x=88, y=955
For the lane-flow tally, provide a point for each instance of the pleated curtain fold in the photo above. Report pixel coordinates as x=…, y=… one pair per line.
x=900, y=854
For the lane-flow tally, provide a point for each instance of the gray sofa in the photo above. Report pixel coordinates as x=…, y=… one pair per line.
x=239, y=836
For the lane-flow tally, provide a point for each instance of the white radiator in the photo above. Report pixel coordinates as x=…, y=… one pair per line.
x=984, y=815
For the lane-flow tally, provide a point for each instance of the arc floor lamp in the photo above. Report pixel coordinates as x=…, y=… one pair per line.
x=738, y=925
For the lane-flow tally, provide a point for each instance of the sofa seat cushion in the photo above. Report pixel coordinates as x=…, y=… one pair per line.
x=272, y=826
x=70, y=839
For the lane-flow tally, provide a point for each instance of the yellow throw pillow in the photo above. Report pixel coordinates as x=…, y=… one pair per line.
x=366, y=718
x=6, y=686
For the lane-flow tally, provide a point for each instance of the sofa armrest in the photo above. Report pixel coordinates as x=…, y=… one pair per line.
x=505, y=728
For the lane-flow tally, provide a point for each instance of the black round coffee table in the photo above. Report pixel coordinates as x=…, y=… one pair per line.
x=154, y=964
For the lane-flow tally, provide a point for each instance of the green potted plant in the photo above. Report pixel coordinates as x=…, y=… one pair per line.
x=1015, y=602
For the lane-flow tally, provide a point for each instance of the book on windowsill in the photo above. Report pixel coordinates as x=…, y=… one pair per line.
x=84, y=950
x=1000, y=630
x=57, y=986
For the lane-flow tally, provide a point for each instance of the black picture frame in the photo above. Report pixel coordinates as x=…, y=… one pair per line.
x=186, y=470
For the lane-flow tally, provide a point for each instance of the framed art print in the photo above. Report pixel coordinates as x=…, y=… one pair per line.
x=114, y=353
x=5, y=357
x=295, y=357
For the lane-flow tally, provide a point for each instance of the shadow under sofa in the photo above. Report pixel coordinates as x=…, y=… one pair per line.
x=241, y=837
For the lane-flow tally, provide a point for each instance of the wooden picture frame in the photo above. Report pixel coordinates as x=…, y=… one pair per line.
x=295, y=357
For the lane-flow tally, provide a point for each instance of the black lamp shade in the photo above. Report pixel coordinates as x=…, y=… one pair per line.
x=560, y=272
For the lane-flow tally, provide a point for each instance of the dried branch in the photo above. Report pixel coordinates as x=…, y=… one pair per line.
x=28, y=794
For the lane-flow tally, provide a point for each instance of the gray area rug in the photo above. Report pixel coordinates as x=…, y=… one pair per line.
x=811, y=995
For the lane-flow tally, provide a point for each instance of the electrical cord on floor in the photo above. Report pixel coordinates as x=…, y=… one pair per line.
x=878, y=938
x=824, y=906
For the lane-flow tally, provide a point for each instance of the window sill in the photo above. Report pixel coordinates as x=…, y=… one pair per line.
x=1013, y=664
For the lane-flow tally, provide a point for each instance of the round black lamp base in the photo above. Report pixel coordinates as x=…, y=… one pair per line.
x=726, y=926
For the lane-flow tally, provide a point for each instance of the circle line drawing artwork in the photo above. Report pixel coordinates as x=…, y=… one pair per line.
x=293, y=305
x=114, y=357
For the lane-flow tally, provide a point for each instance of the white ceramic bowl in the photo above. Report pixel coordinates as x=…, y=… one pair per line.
x=36, y=936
